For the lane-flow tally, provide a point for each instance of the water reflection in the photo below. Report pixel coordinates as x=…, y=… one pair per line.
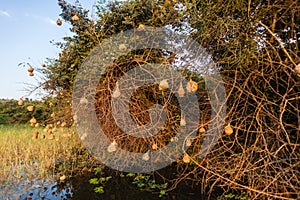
x=35, y=189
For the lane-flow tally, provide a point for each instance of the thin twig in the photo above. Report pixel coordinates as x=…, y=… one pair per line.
x=237, y=184
x=280, y=43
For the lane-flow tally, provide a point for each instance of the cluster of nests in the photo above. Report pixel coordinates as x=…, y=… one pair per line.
x=50, y=130
x=108, y=89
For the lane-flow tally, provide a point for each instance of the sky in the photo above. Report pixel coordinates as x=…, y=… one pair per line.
x=26, y=29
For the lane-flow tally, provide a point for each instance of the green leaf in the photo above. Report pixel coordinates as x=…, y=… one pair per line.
x=140, y=185
x=162, y=193
x=94, y=181
x=97, y=170
x=230, y=196
x=164, y=186
x=102, y=179
x=130, y=175
x=99, y=190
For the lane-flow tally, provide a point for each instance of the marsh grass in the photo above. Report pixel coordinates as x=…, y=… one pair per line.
x=23, y=157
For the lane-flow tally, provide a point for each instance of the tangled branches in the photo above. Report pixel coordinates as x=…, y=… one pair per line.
x=256, y=47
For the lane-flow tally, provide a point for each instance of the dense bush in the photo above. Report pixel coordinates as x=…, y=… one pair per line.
x=256, y=46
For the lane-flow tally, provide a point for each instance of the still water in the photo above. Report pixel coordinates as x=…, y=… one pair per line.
x=35, y=189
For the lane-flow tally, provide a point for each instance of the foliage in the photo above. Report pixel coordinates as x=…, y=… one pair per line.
x=12, y=113
x=256, y=46
x=60, y=73
x=97, y=181
x=142, y=181
x=243, y=196
x=145, y=182
x=99, y=190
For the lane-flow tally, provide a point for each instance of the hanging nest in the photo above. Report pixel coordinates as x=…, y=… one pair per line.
x=21, y=101
x=30, y=108
x=30, y=69
x=59, y=22
x=75, y=18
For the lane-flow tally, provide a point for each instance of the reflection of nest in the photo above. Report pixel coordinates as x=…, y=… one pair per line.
x=141, y=100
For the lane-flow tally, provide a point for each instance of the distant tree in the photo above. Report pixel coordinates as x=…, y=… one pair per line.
x=12, y=113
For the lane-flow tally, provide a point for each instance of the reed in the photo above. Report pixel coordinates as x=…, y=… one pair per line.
x=25, y=155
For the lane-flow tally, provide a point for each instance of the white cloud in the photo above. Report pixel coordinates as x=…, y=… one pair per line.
x=51, y=21
x=4, y=13
x=40, y=18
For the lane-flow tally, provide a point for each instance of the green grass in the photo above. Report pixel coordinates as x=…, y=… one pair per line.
x=23, y=157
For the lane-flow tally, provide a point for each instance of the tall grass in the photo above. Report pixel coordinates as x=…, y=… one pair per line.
x=24, y=157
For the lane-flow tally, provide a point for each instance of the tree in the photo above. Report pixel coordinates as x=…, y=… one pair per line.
x=256, y=46
x=60, y=73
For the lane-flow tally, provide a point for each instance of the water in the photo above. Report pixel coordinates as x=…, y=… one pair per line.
x=36, y=189
x=78, y=187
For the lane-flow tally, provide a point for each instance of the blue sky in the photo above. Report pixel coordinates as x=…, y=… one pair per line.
x=27, y=27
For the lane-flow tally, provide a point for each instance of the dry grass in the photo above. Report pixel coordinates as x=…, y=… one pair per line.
x=24, y=157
